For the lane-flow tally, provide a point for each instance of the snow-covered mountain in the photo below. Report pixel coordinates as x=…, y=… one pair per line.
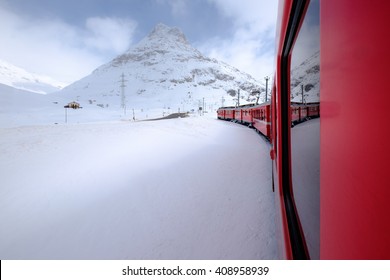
x=19, y=78
x=163, y=70
x=162, y=74
x=306, y=74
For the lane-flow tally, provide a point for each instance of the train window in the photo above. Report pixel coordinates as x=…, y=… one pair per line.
x=305, y=136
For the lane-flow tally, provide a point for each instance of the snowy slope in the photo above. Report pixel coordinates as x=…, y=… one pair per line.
x=21, y=79
x=20, y=108
x=136, y=190
x=163, y=70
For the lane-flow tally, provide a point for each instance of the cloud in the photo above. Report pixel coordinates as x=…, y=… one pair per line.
x=251, y=46
x=60, y=50
x=261, y=13
x=179, y=8
x=109, y=34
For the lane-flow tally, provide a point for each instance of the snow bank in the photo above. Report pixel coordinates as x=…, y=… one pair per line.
x=192, y=188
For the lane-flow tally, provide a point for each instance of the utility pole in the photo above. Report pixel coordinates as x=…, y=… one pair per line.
x=258, y=95
x=123, y=97
x=302, y=92
x=203, y=107
x=238, y=99
x=223, y=101
x=266, y=87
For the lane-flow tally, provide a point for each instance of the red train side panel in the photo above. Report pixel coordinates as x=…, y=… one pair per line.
x=313, y=110
x=262, y=119
x=226, y=113
x=355, y=131
x=354, y=146
x=237, y=115
x=247, y=118
x=221, y=113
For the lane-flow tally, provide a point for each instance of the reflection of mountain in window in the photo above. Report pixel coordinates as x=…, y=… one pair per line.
x=306, y=73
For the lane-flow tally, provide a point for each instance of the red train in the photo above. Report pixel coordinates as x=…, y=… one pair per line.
x=330, y=173
x=259, y=116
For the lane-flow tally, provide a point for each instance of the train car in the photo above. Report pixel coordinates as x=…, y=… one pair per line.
x=261, y=119
x=242, y=114
x=330, y=173
x=246, y=116
x=229, y=114
x=237, y=115
x=298, y=113
x=303, y=112
x=313, y=110
x=221, y=113
x=226, y=113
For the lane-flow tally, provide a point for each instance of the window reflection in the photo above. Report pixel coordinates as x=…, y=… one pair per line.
x=305, y=134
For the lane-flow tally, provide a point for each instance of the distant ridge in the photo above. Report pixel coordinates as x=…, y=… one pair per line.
x=19, y=78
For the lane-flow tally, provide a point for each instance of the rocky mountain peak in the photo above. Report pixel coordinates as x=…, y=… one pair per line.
x=162, y=31
x=162, y=42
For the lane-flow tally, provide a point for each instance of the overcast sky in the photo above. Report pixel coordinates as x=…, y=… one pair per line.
x=67, y=40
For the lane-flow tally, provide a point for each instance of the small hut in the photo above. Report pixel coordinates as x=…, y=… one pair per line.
x=73, y=105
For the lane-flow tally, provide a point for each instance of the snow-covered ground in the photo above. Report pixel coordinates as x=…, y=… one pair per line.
x=92, y=183
x=190, y=188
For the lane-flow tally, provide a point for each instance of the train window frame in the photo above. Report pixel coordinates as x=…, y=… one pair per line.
x=297, y=240
x=304, y=159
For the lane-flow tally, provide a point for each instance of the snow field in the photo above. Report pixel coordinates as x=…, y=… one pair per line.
x=192, y=188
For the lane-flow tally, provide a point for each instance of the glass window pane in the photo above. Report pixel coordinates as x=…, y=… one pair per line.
x=305, y=133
